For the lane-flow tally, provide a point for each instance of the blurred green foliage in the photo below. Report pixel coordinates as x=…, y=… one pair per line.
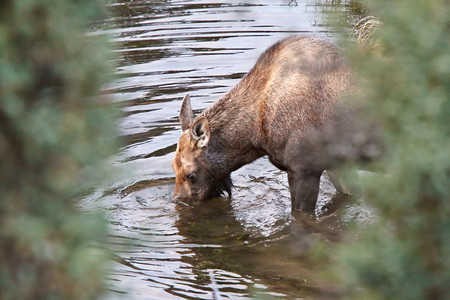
x=405, y=254
x=55, y=131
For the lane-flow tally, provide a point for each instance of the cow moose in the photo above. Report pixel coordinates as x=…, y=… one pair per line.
x=289, y=107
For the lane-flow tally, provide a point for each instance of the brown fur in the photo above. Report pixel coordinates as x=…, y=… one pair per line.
x=287, y=107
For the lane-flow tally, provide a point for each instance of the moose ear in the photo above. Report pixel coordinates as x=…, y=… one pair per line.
x=186, y=114
x=200, y=132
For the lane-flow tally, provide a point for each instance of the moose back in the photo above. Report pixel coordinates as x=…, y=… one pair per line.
x=287, y=107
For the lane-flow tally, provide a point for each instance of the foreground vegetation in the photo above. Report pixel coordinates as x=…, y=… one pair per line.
x=54, y=132
x=405, y=254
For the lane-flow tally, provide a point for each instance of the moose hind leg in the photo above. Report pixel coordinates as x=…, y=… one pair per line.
x=345, y=181
x=304, y=187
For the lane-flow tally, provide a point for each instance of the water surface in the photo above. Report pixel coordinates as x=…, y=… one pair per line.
x=251, y=246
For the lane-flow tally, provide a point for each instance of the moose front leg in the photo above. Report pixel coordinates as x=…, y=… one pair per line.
x=304, y=187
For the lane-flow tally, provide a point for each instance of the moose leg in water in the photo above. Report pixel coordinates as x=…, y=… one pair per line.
x=304, y=188
x=287, y=108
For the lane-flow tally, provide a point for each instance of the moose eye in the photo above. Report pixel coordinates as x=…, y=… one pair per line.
x=191, y=177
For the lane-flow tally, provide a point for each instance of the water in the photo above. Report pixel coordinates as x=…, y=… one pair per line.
x=251, y=246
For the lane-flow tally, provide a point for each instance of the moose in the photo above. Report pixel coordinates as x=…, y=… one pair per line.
x=288, y=107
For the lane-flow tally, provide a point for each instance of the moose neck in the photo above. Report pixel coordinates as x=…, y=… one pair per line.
x=235, y=130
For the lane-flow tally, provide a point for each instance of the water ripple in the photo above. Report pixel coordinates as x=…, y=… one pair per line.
x=250, y=244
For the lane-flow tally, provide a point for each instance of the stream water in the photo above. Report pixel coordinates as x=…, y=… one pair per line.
x=251, y=246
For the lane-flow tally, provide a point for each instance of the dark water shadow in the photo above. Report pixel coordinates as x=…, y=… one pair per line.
x=279, y=262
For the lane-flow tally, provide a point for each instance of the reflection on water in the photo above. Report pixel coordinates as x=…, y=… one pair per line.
x=251, y=245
